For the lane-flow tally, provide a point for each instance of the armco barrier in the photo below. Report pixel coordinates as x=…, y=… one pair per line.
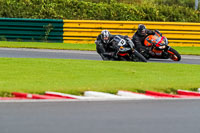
x=31, y=29
x=86, y=31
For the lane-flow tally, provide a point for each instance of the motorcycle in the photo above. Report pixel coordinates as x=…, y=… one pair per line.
x=159, y=48
x=125, y=51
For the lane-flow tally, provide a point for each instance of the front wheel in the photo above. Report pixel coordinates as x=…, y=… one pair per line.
x=174, y=55
x=138, y=57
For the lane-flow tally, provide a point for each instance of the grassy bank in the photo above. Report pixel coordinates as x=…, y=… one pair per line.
x=92, y=47
x=76, y=76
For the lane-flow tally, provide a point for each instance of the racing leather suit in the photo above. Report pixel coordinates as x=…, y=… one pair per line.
x=109, y=50
x=138, y=40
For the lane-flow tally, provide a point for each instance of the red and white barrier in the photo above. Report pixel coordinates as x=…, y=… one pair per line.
x=63, y=95
x=34, y=96
x=153, y=93
x=166, y=95
x=93, y=95
x=188, y=93
x=134, y=95
x=100, y=94
x=12, y=98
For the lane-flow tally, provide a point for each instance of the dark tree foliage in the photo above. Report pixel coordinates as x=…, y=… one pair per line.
x=78, y=10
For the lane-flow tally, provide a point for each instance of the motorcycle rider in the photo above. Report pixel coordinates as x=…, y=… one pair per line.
x=105, y=46
x=138, y=38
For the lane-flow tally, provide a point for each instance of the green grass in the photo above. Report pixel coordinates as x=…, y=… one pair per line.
x=92, y=47
x=188, y=50
x=44, y=45
x=76, y=76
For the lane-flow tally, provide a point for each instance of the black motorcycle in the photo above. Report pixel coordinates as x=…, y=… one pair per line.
x=125, y=51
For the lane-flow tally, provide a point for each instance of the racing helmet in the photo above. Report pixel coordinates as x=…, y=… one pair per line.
x=141, y=30
x=105, y=36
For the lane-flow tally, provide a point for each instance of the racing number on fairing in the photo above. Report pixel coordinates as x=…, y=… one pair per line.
x=122, y=42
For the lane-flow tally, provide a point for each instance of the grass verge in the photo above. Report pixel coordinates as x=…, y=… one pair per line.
x=44, y=45
x=76, y=76
x=91, y=47
x=188, y=50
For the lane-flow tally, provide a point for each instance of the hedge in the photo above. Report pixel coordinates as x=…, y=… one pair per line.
x=78, y=10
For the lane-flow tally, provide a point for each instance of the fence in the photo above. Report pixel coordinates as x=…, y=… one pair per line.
x=31, y=29
x=86, y=31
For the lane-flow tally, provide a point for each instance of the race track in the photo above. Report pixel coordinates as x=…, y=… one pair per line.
x=128, y=116
x=74, y=54
x=142, y=116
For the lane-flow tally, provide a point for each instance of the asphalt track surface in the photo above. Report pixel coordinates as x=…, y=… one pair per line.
x=74, y=54
x=128, y=116
x=136, y=116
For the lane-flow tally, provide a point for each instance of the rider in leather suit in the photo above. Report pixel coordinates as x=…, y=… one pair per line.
x=105, y=47
x=139, y=36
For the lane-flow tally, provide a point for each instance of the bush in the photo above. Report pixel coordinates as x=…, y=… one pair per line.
x=76, y=9
x=186, y=3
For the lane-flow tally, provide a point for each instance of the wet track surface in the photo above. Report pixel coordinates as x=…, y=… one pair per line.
x=136, y=116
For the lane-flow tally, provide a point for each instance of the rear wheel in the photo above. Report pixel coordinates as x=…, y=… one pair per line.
x=174, y=55
x=139, y=57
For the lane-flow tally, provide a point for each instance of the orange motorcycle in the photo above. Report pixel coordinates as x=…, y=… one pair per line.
x=158, y=48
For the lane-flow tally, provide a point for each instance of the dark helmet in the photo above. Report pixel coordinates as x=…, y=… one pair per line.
x=105, y=36
x=141, y=29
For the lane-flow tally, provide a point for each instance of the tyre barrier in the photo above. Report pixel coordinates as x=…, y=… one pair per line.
x=93, y=95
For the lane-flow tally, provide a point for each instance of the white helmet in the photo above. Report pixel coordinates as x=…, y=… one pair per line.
x=105, y=36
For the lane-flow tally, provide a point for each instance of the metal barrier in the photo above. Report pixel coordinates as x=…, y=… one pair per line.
x=86, y=31
x=31, y=29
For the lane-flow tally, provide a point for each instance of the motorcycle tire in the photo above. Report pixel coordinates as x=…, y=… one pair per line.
x=122, y=59
x=174, y=55
x=139, y=57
